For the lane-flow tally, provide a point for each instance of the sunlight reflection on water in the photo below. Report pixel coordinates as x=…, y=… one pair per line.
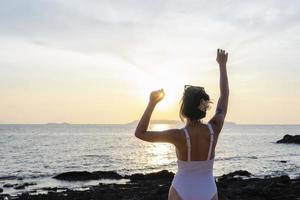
x=160, y=152
x=159, y=127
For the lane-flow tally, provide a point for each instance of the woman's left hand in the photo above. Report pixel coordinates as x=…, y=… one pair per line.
x=156, y=96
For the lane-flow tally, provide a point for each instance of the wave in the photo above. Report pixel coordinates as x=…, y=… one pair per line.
x=31, y=176
x=236, y=158
x=258, y=157
x=11, y=178
x=97, y=156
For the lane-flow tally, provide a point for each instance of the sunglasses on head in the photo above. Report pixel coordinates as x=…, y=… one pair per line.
x=192, y=86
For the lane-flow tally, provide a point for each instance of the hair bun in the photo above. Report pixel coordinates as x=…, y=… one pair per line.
x=195, y=103
x=194, y=113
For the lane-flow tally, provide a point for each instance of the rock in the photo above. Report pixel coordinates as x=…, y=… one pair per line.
x=108, y=175
x=1, y=190
x=164, y=174
x=19, y=187
x=283, y=161
x=22, y=186
x=290, y=139
x=8, y=185
x=155, y=186
x=234, y=176
x=53, y=189
x=77, y=176
x=240, y=173
x=85, y=176
x=284, y=179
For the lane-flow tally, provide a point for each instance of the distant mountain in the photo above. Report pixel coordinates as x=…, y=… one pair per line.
x=55, y=123
x=230, y=123
x=166, y=121
x=159, y=121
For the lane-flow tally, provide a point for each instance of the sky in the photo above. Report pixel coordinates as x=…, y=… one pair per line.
x=96, y=61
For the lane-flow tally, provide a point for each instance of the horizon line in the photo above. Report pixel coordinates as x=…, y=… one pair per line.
x=128, y=123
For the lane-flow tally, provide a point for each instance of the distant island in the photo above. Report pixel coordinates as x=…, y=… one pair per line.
x=55, y=123
x=159, y=121
x=166, y=121
x=155, y=121
x=230, y=123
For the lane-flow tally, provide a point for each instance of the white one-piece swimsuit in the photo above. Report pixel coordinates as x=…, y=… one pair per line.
x=194, y=180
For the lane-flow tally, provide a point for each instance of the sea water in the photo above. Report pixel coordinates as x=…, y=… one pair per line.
x=35, y=153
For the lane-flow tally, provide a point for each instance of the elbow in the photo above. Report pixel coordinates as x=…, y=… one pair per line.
x=138, y=134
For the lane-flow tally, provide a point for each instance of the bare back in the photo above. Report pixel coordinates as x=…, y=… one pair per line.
x=200, y=140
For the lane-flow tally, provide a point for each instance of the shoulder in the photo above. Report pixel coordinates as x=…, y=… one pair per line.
x=217, y=123
x=176, y=135
x=174, y=132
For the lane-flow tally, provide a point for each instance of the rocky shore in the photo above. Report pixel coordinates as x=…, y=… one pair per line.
x=290, y=139
x=239, y=185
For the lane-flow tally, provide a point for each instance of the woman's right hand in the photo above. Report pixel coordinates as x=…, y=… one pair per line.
x=156, y=96
x=222, y=56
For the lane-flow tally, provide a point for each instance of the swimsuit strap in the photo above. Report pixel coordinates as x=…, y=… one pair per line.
x=211, y=131
x=188, y=142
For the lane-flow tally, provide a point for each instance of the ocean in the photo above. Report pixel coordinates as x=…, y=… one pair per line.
x=35, y=153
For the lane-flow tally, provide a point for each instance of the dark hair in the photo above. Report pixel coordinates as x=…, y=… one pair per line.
x=194, y=103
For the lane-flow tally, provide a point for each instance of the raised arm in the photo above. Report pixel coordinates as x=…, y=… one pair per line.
x=221, y=110
x=142, y=132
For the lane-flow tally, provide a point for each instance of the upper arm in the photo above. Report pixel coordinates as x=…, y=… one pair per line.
x=218, y=119
x=167, y=136
x=217, y=122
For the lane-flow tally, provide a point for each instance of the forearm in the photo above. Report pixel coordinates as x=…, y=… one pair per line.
x=224, y=88
x=144, y=121
x=224, y=92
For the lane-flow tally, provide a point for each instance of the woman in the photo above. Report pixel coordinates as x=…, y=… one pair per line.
x=195, y=143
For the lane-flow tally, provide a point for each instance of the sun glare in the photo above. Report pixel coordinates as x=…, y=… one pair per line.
x=171, y=80
x=159, y=127
x=160, y=154
x=160, y=151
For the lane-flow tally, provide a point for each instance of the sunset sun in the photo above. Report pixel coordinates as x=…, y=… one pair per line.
x=164, y=78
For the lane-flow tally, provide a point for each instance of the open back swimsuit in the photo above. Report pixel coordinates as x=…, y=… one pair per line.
x=194, y=179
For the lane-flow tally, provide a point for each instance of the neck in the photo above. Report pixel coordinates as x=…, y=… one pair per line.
x=193, y=122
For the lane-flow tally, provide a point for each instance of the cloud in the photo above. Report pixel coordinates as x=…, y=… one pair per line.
x=122, y=43
x=133, y=28
x=148, y=33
